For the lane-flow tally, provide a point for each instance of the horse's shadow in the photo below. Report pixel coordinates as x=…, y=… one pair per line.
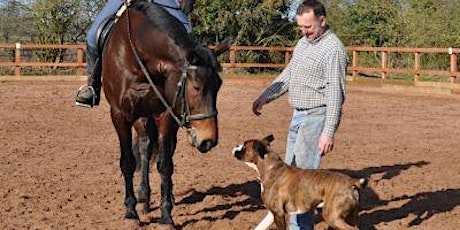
x=250, y=204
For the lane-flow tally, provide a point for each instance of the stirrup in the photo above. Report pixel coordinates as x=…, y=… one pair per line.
x=92, y=101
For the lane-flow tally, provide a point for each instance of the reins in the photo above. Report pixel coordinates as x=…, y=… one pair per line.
x=185, y=113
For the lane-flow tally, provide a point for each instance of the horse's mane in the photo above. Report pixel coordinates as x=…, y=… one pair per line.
x=166, y=22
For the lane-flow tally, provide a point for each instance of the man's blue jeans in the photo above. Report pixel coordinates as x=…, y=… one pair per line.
x=110, y=9
x=302, y=151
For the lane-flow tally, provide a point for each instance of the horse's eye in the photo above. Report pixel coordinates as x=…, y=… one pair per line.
x=196, y=86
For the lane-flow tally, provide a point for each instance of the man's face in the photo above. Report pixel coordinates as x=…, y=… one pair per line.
x=310, y=25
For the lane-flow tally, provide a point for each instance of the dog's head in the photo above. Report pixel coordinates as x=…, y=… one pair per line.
x=251, y=151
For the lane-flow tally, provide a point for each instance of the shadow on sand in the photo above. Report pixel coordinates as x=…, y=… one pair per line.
x=422, y=206
x=251, y=189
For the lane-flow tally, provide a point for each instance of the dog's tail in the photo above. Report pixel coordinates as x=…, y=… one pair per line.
x=360, y=183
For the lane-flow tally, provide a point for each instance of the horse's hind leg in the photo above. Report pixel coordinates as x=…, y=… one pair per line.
x=167, y=143
x=127, y=161
x=147, y=143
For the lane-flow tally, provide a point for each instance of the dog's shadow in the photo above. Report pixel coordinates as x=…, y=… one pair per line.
x=422, y=206
x=252, y=203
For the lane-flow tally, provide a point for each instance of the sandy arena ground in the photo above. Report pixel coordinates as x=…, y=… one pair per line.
x=59, y=163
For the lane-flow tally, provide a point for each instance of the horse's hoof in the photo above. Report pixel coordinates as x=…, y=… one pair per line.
x=167, y=221
x=132, y=215
x=147, y=210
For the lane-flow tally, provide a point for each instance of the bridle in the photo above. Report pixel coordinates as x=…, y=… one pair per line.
x=185, y=116
x=185, y=108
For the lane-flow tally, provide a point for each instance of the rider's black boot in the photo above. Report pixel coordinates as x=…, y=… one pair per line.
x=89, y=95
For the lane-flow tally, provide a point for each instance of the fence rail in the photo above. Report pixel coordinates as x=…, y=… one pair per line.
x=382, y=67
x=416, y=69
x=19, y=49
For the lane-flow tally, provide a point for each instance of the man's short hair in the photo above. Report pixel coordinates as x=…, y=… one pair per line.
x=315, y=5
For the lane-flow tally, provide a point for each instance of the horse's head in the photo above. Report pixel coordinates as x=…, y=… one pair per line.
x=201, y=87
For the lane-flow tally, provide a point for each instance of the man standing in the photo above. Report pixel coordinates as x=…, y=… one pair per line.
x=315, y=80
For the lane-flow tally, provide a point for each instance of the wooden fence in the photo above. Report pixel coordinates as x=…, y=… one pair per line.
x=416, y=70
x=18, y=63
x=356, y=67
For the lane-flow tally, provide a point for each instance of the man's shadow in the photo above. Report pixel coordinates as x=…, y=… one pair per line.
x=422, y=205
x=368, y=197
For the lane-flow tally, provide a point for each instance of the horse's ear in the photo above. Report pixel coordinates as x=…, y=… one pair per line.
x=224, y=46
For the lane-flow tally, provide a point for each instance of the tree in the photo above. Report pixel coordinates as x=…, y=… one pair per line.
x=433, y=23
x=374, y=23
x=86, y=12
x=262, y=22
x=52, y=19
x=15, y=21
x=251, y=23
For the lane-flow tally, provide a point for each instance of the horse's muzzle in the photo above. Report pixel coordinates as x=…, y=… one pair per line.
x=203, y=145
x=206, y=145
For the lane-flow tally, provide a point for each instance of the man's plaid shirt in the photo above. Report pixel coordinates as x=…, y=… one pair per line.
x=315, y=77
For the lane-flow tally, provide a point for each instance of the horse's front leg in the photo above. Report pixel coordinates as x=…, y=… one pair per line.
x=127, y=160
x=165, y=166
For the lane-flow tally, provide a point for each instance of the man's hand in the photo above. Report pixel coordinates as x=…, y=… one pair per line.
x=257, y=105
x=325, y=144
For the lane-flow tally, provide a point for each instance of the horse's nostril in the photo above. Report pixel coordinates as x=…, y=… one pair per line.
x=206, y=145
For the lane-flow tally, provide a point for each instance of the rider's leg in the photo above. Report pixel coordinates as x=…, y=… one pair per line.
x=88, y=95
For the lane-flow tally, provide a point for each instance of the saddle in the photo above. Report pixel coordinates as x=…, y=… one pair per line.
x=106, y=26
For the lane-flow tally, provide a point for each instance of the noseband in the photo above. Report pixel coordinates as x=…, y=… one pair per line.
x=185, y=116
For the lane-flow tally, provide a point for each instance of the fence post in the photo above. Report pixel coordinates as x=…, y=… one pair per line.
x=417, y=67
x=17, y=60
x=287, y=57
x=384, y=64
x=232, y=61
x=453, y=65
x=354, y=65
x=80, y=61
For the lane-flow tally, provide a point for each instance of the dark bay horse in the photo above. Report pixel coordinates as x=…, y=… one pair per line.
x=157, y=79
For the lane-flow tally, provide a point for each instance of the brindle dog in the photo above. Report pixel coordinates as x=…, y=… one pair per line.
x=289, y=190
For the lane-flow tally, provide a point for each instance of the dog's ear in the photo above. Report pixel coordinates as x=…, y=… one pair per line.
x=268, y=139
x=260, y=148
